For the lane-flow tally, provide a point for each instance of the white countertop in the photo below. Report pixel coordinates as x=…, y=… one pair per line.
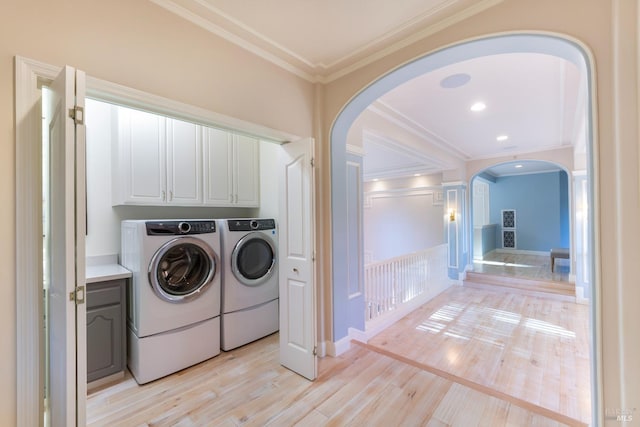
x=100, y=269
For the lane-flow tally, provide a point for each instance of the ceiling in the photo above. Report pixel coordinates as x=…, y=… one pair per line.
x=322, y=39
x=534, y=99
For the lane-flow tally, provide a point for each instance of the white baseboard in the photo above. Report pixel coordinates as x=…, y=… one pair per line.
x=335, y=349
x=375, y=326
x=520, y=252
x=580, y=298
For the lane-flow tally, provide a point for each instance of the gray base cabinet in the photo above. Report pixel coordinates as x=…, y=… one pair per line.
x=106, y=323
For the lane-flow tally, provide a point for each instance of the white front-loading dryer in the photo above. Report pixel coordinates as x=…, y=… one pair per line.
x=173, y=311
x=250, y=304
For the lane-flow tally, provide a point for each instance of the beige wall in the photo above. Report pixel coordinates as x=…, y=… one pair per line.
x=140, y=45
x=609, y=29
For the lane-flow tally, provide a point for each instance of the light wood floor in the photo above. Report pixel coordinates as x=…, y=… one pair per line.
x=535, y=350
x=248, y=387
x=467, y=358
x=525, y=266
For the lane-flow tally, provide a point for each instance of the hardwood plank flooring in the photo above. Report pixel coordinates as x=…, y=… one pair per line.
x=535, y=350
x=248, y=387
x=524, y=266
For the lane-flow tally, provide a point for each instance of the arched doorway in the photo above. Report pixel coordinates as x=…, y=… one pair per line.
x=547, y=200
x=343, y=255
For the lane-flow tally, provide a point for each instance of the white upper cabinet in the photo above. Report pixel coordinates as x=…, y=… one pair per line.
x=184, y=163
x=231, y=169
x=140, y=167
x=218, y=167
x=161, y=161
x=247, y=171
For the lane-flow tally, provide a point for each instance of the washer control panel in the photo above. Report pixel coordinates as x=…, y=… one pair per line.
x=179, y=228
x=251, y=224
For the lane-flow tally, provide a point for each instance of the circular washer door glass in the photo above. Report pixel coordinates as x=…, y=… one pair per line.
x=181, y=269
x=253, y=259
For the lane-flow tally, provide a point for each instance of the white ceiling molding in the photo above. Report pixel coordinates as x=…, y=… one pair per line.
x=216, y=21
x=479, y=7
x=389, y=159
x=387, y=112
x=206, y=24
x=355, y=150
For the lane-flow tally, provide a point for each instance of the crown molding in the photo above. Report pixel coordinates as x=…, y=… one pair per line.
x=263, y=53
x=479, y=7
x=394, y=116
x=400, y=148
x=320, y=72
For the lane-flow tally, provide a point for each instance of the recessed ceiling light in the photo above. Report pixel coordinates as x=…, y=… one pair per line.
x=416, y=174
x=518, y=166
x=375, y=180
x=455, y=80
x=478, y=106
x=502, y=138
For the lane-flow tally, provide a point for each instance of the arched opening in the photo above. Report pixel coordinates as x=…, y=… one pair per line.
x=346, y=304
x=538, y=197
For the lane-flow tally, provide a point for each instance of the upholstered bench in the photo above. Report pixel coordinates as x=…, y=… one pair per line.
x=558, y=253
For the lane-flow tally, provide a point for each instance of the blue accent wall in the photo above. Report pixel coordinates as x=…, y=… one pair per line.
x=541, y=202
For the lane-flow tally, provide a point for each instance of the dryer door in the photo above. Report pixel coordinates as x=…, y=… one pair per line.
x=181, y=269
x=253, y=259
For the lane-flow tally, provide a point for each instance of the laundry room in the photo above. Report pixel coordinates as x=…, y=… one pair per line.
x=160, y=196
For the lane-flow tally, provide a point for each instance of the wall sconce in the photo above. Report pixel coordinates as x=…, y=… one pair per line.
x=452, y=215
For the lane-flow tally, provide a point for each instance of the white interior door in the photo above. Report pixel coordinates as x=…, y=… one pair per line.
x=67, y=320
x=296, y=254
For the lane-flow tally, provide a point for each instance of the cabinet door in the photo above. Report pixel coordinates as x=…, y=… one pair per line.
x=247, y=171
x=218, y=167
x=184, y=170
x=141, y=162
x=104, y=342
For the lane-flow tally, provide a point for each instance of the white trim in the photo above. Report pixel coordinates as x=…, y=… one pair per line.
x=392, y=115
x=355, y=150
x=240, y=41
x=319, y=72
x=29, y=301
x=455, y=184
x=404, y=192
x=339, y=347
x=378, y=324
x=29, y=321
x=130, y=97
x=479, y=7
x=520, y=251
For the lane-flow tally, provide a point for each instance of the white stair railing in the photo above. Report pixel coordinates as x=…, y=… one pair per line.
x=396, y=281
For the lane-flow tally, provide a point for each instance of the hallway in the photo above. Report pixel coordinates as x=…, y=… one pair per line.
x=533, y=352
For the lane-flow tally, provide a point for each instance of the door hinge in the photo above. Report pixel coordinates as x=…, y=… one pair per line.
x=315, y=350
x=77, y=114
x=77, y=295
x=313, y=162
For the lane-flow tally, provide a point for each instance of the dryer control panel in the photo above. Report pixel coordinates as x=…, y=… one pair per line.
x=251, y=224
x=179, y=228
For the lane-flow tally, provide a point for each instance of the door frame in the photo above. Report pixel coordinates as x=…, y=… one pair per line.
x=558, y=44
x=30, y=76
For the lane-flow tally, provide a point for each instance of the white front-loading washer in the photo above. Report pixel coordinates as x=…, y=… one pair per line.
x=173, y=314
x=250, y=281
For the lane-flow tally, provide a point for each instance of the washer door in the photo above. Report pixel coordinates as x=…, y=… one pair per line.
x=253, y=259
x=181, y=269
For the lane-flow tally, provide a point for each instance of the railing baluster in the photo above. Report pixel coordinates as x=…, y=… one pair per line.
x=393, y=282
